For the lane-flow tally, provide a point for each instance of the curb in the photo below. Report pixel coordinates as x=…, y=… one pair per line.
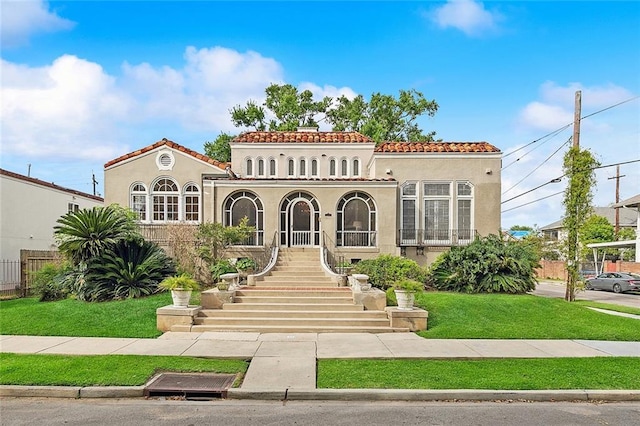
x=90, y=392
x=437, y=395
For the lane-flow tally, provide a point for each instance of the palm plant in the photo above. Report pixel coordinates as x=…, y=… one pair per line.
x=88, y=233
x=129, y=269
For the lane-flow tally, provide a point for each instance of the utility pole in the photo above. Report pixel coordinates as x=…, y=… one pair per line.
x=95, y=182
x=576, y=119
x=617, y=178
x=572, y=234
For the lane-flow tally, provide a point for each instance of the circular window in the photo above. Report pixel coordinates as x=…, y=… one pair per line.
x=165, y=160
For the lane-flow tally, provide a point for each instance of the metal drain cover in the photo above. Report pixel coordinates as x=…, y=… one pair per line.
x=190, y=385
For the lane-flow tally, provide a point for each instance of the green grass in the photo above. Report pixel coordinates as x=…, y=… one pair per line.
x=521, y=374
x=610, y=307
x=125, y=318
x=501, y=316
x=102, y=370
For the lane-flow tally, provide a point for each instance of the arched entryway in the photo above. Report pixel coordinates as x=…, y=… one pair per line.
x=299, y=220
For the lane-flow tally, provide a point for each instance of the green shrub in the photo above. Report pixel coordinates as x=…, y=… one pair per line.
x=130, y=269
x=487, y=265
x=221, y=267
x=182, y=281
x=49, y=284
x=245, y=264
x=391, y=297
x=410, y=286
x=386, y=269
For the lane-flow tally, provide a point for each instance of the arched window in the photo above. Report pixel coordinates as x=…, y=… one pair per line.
x=291, y=168
x=356, y=217
x=260, y=167
x=272, y=167
x=249, y=164
x=332, y=167
x=165, y=198
x=138, y=200
x=191, y=203
x=243, y=204
x=344, y=167
x=303, y=167
x=356, y=167
x=314, y=167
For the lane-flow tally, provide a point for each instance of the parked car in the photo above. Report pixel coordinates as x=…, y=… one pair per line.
x=618, y=282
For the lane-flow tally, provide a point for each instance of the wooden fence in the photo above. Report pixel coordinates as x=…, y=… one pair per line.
x=16, y=276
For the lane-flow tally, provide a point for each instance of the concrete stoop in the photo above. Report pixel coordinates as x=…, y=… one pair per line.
x=297, y=296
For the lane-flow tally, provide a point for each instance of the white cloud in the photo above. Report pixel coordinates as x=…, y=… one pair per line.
x=66, y=109
x=555, y=109
x=327, y=90
x=74, y=109
x=468, y=16
x=21, y=19
x=200, y=94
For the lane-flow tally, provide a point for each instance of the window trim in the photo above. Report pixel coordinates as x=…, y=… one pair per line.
x=133, y=192
x=164, y=194
x=197, y=194
x=368, y=235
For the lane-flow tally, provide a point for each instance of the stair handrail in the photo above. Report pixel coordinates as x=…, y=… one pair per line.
x=273, y=250
x=329, y=258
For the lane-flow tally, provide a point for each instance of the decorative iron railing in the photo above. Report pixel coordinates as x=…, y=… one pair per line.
x=332, y=256
x=435, y=237
x=268, y=256
x=357, y=238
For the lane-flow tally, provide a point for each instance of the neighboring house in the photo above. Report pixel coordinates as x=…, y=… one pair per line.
x=628, y=218
x=29, y=209
x=311, y=188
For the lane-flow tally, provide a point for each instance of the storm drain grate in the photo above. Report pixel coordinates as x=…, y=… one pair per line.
x=190, y=385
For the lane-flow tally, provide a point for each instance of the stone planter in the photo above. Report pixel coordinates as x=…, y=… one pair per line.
x=405, y=299
x=181, y=298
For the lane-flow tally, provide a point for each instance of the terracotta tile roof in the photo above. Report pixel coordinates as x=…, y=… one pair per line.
x=49, y=185
x=463, y=147
x=302, y=137
x=170, y=144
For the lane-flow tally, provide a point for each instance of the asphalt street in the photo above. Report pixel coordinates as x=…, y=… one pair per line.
x=557, y=289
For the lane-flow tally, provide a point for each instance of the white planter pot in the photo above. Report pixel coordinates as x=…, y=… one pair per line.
x=405, y=299
x=181, y=298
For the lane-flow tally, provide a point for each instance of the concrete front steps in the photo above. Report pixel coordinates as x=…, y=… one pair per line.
x=293, y=310
x=296, y=297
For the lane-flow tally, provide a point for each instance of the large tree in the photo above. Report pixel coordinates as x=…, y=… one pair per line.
x=382, y=118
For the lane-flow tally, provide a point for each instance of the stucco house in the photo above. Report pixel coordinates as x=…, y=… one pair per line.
x=29, y=209
x=310, y=188
x=627, y=220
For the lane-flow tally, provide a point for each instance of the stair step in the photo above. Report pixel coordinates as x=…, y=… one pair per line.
x=289, y=329
x=289, y=299
x=317, y=314
x=292, y=307
x=311, y=291
x=297, y=273
x=376, y=322
x=295, y=285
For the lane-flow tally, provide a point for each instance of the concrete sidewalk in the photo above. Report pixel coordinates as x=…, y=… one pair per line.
x=282, y=363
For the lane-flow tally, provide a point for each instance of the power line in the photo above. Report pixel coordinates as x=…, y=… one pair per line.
x=533, y=149
x=558, y=179
x=540, y=165
x=531, y=202
x=568, y=125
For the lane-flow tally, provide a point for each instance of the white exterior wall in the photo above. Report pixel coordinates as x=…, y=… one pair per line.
x=28, y=213
x=282, y=152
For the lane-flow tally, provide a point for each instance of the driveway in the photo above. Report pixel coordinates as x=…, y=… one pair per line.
x=556, y=289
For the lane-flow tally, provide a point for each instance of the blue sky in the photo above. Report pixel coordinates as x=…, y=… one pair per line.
x=84, y=82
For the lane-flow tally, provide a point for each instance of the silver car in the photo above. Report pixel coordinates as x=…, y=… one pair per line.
x=618, y=282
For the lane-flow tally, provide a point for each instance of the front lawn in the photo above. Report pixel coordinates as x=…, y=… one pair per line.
x=503, y=316
x=103, y=370
x=520, y=374
x=123, y=318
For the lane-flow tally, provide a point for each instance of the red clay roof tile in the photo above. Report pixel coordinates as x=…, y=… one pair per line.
x=170, y=144
x=302, y=137
x=462, y=147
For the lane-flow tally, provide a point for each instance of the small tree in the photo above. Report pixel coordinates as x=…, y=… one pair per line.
x=219, y=149
x=579, y=166
x=213, y=238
